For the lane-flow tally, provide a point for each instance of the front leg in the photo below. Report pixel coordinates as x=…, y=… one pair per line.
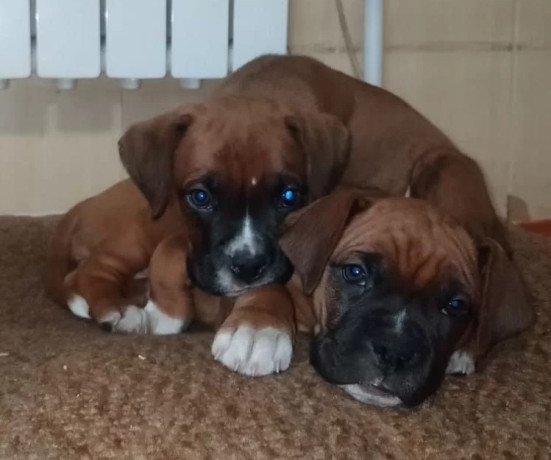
x=256, y=339
x=97, y=289
x=102, y=290
x=169, y=309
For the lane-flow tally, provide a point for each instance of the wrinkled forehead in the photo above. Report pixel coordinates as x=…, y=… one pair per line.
x=416, y=243
x=244, y=143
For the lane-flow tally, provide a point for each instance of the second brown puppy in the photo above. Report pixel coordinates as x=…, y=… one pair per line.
x=398, y=294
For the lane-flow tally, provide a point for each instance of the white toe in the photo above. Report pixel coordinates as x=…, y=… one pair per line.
x=133, y=321
x=111, y=318
x=79, y=306
x=162, y=324
x=221, y=343
x=240, y=349
x=460, y=362
x=284, y=352
x=253, y=352
x=148, y=320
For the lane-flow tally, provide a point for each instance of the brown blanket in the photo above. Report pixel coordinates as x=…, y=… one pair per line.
x=71, y=391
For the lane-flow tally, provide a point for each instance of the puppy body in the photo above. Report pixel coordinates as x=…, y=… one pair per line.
x=218, y=178
x=393, y=146
x=277, y=122
x=400, y=294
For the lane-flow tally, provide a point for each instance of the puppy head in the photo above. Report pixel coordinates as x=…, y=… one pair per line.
x=401, y=290
x=235, y=167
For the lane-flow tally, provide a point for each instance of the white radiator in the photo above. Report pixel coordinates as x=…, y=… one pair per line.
x=131, y=40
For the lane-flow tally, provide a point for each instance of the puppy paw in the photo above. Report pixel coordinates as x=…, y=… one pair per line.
x=133, y=320
x=159, y=323
x=79, y=307
x=461, y=362
x=147, y=320
x=253, y=352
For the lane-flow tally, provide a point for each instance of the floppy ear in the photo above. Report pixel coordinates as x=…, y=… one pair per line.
x=147, y=152
x=505, y=308
x=326, y=142
x=311, y=234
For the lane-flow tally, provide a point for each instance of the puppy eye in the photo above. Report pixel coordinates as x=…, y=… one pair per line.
x=199, y=198
x=455, y=306
x=289, y=197
x=354, y=274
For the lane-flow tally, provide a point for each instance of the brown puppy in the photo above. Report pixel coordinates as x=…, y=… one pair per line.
x=218, y=179
x=393, y=146
x=401, y=294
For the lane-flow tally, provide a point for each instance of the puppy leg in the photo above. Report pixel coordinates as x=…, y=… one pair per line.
x=169, y=309
x=257, y=337
x=97, y=289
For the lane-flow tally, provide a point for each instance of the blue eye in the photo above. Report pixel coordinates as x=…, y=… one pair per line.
x=354, y=274
x=456, y=304
x=199, y=198
x=454, y=307
x=289, y=197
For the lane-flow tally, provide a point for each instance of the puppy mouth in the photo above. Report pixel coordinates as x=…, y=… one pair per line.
x=372, y=394
x=236, y=291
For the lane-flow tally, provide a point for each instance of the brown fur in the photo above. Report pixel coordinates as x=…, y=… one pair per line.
x=392, y=147
x=68, y=391
x=422, y=250
x=101, y=242
x=104, y=241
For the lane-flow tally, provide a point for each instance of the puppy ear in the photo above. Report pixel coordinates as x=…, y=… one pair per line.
x=147, y=152
x=311, y=234
x=505, y=308
x=326, y=142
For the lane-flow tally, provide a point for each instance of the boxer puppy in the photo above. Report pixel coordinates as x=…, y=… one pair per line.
x=210, y=185
x=394, y=148
x=401, y=294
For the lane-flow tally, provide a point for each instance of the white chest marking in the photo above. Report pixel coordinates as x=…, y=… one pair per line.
x=254, y=181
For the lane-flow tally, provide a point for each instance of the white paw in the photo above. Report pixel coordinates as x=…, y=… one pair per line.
x=78, y=306
x=253, y=352
x=132, y=321
x=460, y=362
x=162, y=324
x=148, y=320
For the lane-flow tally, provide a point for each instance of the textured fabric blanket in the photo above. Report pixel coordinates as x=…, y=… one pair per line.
x=69, y=390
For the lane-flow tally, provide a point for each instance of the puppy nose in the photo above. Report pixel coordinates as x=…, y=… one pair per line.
x=248, y=267
x=395, y=356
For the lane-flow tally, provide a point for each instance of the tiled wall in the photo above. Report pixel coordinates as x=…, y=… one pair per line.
x=480, y=69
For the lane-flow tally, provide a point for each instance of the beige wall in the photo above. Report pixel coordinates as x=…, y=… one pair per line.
x=480, y=69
